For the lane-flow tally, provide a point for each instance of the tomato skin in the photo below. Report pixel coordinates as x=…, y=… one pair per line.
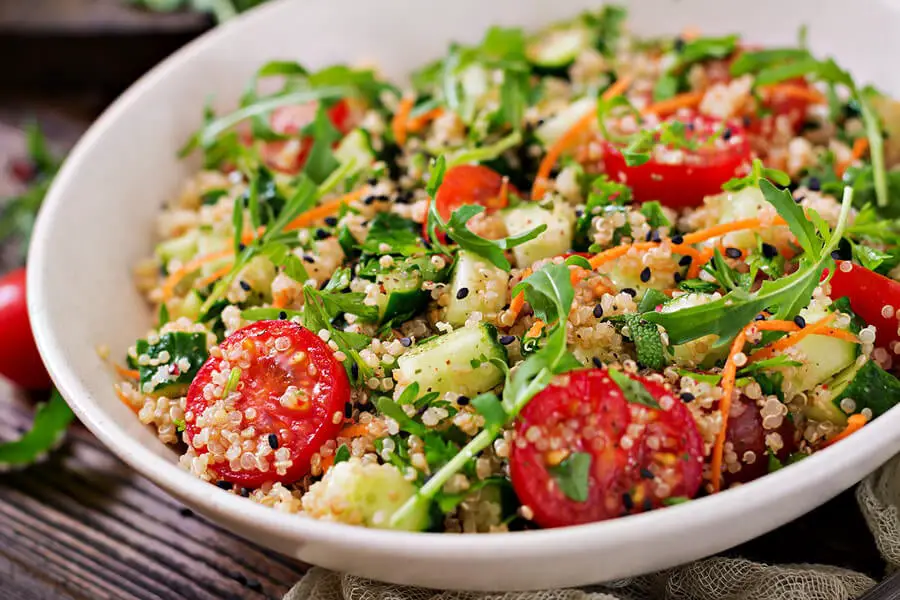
x=302, y=430
x=685, y=184
x=289, y=156
x=585, y=411
x=468, y=184
x=869, y=292
x=20, y=361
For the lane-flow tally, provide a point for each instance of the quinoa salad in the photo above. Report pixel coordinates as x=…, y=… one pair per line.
x=557, y=277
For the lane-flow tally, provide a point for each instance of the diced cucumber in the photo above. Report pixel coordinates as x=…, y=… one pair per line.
x=207, y=243
x=259, y=275
x=560, y=45
x=868, y=385
x=402, y=296
x=189, y=306
x=699, y=352
x=553, y=128
x=823, y=357
x=357, y=147
x=486, y=288
x=183, y=248
x=458, y=361
x=556, y=240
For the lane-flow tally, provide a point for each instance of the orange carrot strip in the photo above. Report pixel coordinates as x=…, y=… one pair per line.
x=327, y=462
x=515, y=307
x=354, y=431
x=400, y=122
x=323, y=210
x=789, y=340
x=776, y=325
x=841, y=334
x=791, y=90
x=536, y=329
x=854, y=424
x=417, y=124
x=667, y=107
x=719, y=230
x=125, y=372
x=729, y=374
x=616, y=252
x=859, y=148
x=569, y=137
x=124, y=399
x=168, y=286
x=213, y=277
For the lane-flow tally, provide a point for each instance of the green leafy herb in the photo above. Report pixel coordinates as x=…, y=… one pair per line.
x=178, y=356
x=694, y=51
x=698, y=286
x=321, y=161
x=549, y=292
x=50, y=422
x=342, y=454
x=234, y=377
x=572, y=476
x=485, y=153
x=490, y=407
x=604, y=194
x=402, y=235
x=652, y=298
x=673, y=500
x=634, y=391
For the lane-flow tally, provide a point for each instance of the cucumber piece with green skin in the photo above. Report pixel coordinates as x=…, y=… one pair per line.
x=476, y=286
x=182, y=248
x=868, y=385
x=553, y=128
x=700, y=352
x=402, y=296
x=357, y=147
x=555, y=240
x=189, y=306
x=208, y=243
x=559, y=46
x=458, y=361
x=747, y=203
x=823, y=357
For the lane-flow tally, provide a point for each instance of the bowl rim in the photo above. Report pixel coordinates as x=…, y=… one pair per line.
x=774, y=488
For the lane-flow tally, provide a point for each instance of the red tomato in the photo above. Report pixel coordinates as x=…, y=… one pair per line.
x=746, y=434
x=686, y=183
x=19, y=358
x=639, y=455
x=290, y=155
x=468, y=184
x=870, y=294
x=295, y=387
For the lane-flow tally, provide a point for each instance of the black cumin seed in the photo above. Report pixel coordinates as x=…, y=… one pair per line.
x=726, y=135
x=372, y=181
x=348, y=410
x=245, y=286
x=649, y=236
x=308, y=258
x=685, y=261
x=627, y=501
x=506, y=340
x=225, y=485
x=282, y=315
x=732, y=253
x=245, y=492
x=405, y=342
x=800, y=321
x=646, y=473
x=655, y=237
x=686, y=396
x=579, y=212
x=630, y=291
x=677, y=239
x=242, y=247
x=331, y=221
x=598, y=311
x=645, y=274
x=678, y=278
x=462, y=293
x=369, y=200
x=769, y=251
x=597, y=362
x=814, y=184
x=273, y=441
x=462, y=400
x=321, y=234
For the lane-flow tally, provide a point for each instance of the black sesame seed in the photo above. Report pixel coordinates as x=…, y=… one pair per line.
x=321, y=234
x=245, y=286
x=186, y=512
x=726, y=135
x=331, y=221
x=273, y=441
x=597, y=362
x=630, y=291
x=646, y=473
x=685, y=261
x=645, y=274
x=354, y=370
x=678, y=278
x=649, y=236
x=598, y=311
x=506, y=340
x=769, y=251
x=655, y=237
x=759, y=317
x=800, y=321
x=579, y=212
x=677, y=239
x=254, y=585
x=686, y=396
x=462, y=293
x=814, y=184
x=282, y=315
x=225, y=485
x=245, y=492
x=799, y=199
x=462, y=400
x=368, y=200
x=308, y=258
x=372, y=181
x=627, y=502
x=405, y=342
x=241, y=247
x=732, y=253
x=348, y=409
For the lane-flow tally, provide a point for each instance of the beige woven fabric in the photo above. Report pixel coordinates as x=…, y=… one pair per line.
x=714, y=578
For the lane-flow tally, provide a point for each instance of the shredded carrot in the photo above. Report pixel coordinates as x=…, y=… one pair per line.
x=279, y=300
x=327, y=462
x=841, y=334
x=323, y=210
x=854, y=424
x=703, y=257
x=795, y=91
x=600, y=289
x=566, y=140
x=729, y=374
x=719, y=230
x=616, y=252
x=515, y=307
x=124, y=399
x=670, y=105
x=214, y=276
x=354, y=430
x=175, y=277
x=576, y=274
x=859, y=148
x=787, y=341
x=400, y=122
x=777, y=325
x=536, y=329
x=126, y=372
x=416, y=124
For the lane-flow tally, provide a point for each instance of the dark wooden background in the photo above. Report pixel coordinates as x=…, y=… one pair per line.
x=83, y=525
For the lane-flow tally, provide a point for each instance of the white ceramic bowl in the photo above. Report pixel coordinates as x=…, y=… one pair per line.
x=98, y=220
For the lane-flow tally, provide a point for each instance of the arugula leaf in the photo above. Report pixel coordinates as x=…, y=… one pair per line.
x=485, y=153
x=654, y=214
x=488, y=406
x=401, y=234
x=391, y=409
x=492, y=250
x=634, y=391
x=50, y=422
x=572, y=475
x=549, y=292
x=342, y=454
x=321, y=161
x=793, y=213
x=315, y=318
x=652, y=298
x=699, y=286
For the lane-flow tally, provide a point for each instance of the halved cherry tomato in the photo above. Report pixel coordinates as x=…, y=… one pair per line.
x=469, y=184
x=292, y=392
x=870, y=294
x=746, y=434
x=695, y=175
x=289, y=156
x=19, y=358
x=639, y=455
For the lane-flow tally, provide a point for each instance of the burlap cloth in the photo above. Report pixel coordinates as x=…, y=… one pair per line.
x=715, y=578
